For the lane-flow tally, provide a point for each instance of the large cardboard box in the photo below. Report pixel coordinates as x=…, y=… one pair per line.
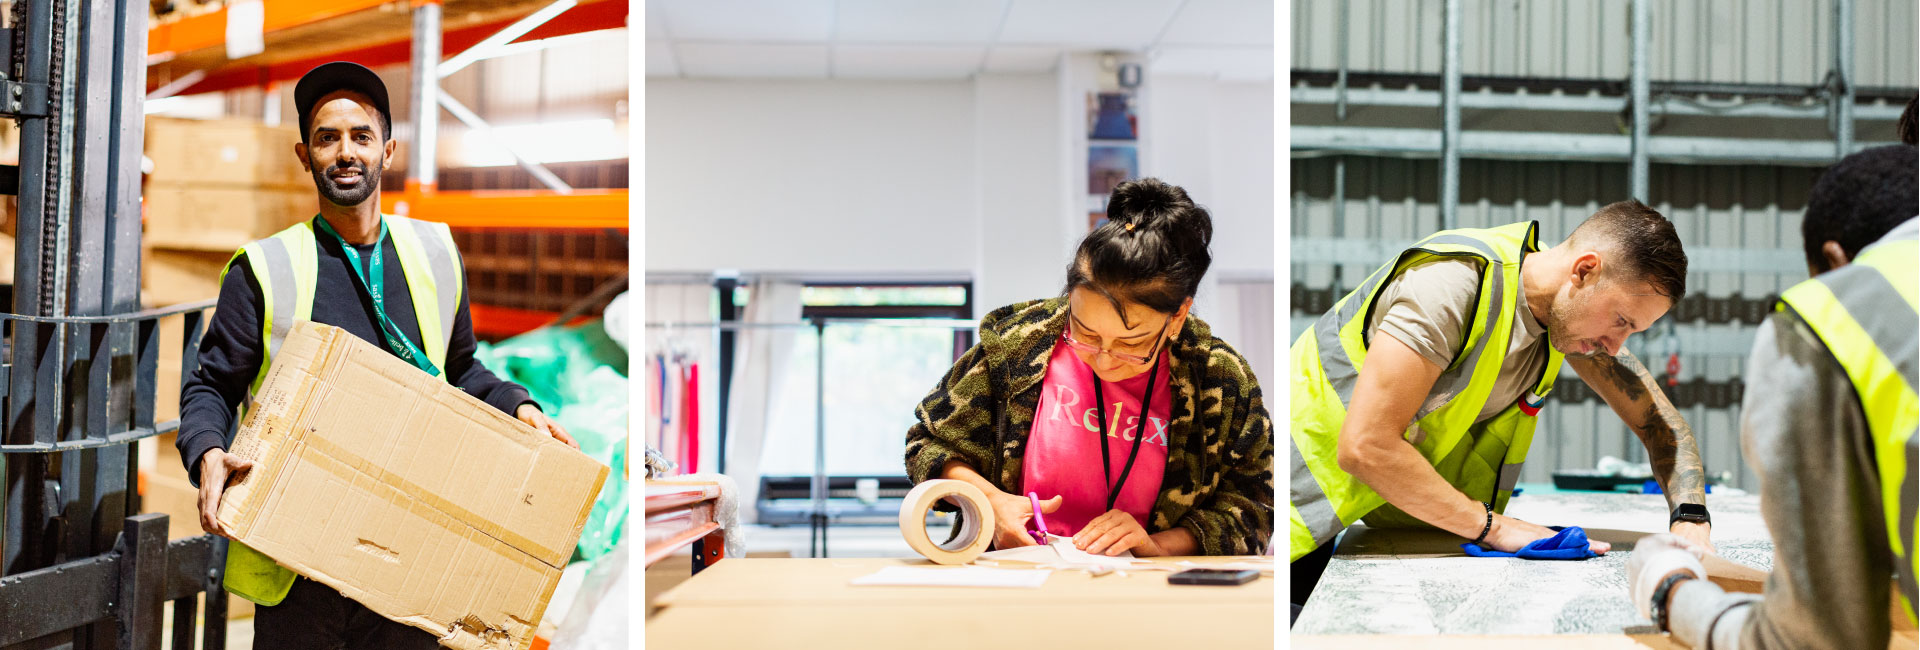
x=406, y=494
x=221, y=218
x=225, y=152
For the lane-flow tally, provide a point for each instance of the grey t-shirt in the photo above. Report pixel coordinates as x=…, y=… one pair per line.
x=1429, y=308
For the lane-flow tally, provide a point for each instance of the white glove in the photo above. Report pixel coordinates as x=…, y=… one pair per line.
x=1655, y=557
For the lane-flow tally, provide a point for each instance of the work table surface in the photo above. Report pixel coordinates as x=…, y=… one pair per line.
x=781, y=602
x=1418, y=581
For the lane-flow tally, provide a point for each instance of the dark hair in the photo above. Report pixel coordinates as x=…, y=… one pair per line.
x=1152, y=250
x=1649, y=248
x=1858, y=200
x=1906, y=127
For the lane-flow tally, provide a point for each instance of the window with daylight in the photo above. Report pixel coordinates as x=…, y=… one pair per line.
x=885, y=347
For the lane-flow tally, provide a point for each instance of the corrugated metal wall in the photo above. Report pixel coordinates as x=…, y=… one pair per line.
x=1728, y=217
x=1724, y=41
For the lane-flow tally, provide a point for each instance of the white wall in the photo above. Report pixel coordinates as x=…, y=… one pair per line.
x=1216, y=140
x=810, y=177
x=979, y=179
x=1025, y=233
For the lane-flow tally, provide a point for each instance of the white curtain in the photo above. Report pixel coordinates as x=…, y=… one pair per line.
x=1241, y=313
x=759, y=370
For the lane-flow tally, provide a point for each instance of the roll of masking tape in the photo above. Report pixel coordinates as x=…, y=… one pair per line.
x=976, y=521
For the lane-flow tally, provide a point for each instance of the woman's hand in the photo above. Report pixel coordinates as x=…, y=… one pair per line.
x=1010, y=516
x=1113, y=532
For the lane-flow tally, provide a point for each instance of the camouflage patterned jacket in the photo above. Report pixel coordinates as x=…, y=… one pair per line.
x=1218, y=482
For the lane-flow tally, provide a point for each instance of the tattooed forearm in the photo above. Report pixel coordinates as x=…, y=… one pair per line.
x=1671, y=447
x=1675, y=455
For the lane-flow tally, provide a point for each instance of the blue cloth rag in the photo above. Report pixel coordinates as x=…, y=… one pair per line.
x=1568, y=544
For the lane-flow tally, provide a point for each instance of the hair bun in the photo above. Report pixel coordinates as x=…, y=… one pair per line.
x=1146, y=202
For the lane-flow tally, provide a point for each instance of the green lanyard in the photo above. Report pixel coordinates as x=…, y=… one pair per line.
x=375, y=281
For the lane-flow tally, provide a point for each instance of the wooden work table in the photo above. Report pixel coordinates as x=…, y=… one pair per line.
x=780, y=602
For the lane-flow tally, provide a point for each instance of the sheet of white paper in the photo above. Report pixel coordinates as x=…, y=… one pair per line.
x=1061, y=554
x=905, y=576
x=1071, y=555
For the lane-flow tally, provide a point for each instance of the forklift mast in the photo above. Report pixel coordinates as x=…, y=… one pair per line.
x=78, y=567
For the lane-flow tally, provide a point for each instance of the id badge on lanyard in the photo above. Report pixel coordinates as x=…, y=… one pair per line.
x=372, y=278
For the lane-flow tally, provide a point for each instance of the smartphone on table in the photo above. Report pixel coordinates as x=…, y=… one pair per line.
x=1220, y=577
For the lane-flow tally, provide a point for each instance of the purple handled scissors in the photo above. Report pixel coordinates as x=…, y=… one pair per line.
x=1037, y=527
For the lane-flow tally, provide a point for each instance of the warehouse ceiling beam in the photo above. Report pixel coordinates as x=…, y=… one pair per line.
x=491, y=44
x=428, y=70
x=1664, y=104
x=1840, y=79
x=1309, y=141
x=390, y=46
x=174, y=87
x=539, y=171
x=424, y=92
x=1641, y=42
x=583, y=209
x=1450, y=118
x=167, y=40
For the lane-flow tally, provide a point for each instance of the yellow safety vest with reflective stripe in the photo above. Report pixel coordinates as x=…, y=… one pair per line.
x=286, y=268
x=1483, y=460
x=1867, y=315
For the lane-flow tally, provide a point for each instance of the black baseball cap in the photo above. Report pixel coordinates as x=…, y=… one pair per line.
x=336, y=76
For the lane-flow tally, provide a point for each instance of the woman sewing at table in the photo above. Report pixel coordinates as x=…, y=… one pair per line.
x=1050, y=401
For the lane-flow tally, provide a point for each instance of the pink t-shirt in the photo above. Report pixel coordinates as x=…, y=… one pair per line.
x=1062, y=458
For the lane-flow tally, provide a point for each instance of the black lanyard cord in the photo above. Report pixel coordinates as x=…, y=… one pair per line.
x=1146, y=412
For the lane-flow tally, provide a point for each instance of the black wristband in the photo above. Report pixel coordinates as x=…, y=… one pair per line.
x=1660, y=594
x=1488, y=527
x=1693, y=512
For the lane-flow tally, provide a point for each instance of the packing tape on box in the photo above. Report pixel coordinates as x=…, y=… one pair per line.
x=976, y=521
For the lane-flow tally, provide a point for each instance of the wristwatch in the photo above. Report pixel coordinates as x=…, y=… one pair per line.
x=1660, y=597
x=1693, y=512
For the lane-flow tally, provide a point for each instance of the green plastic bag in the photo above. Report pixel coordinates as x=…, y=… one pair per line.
x=579, y=377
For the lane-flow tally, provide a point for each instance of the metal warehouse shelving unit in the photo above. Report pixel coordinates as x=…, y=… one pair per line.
x=189, y=56
x=1721, y=116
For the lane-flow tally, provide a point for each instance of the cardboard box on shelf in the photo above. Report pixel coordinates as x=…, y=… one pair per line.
x=171, y=277
x=406, y=494
x=219, y=218
x=225, y=152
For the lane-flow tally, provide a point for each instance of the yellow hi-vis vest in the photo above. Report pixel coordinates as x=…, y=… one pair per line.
x=1482, y=460
x=286, y=267
x=1867, y=316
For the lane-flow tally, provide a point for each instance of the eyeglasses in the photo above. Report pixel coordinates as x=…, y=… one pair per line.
x=1089, y=348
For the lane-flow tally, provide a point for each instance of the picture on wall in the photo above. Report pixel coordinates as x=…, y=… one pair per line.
x=1108, y=166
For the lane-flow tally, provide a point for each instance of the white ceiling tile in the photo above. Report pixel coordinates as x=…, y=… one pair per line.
x=660, y=60
x=748, y=20
x=1016, y=59
x=656, y=22
x=918, y=21
x=752, y=61
x=901, y=62
x=1226, y=63
x=1106, y=24
x=1222, y=22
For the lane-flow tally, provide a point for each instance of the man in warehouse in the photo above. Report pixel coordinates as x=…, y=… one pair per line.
x=1828, y=424
x=393, y=281
x=1414, y=398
